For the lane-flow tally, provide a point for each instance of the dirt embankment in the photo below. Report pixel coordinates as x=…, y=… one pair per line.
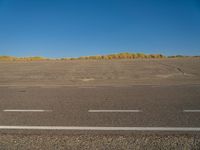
x=101, y=72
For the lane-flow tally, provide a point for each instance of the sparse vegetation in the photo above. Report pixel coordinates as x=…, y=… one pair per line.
x=177, y=56
x=7, y=58
x=11, y=58
x=97, y=57
x=123, y=56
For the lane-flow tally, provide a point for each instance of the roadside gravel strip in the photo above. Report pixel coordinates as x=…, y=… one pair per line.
x=98, y=142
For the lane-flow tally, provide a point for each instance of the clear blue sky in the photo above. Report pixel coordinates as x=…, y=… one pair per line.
x=71, y=28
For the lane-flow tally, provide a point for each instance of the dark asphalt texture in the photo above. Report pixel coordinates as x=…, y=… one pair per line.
x=161, y=106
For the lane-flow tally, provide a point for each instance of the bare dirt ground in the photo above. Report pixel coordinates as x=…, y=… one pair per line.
x=101, y=72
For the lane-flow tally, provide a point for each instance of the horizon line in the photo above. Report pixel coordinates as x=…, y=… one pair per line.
x=129, y=53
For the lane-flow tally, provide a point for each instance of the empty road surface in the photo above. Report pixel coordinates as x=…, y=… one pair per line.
x=133, y=108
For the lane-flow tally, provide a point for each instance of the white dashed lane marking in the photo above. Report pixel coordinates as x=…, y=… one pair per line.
x=26, y=110
x=114, y=111
x=191, y=110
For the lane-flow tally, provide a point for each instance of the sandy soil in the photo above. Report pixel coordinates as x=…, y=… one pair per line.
x=101, y=72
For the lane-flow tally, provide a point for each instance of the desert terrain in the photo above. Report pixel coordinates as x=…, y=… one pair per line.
x=100, y=72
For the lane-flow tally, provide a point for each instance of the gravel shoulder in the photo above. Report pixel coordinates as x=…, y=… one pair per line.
x=99, y=142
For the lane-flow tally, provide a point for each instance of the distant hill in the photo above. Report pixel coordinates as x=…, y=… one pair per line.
x=97, y=57
x=123, y=56
x=12, y=58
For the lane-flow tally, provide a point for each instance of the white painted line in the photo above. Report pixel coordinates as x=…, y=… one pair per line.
x=84, y=128
x=113, y=111
x=191, y=110
x=23, y=110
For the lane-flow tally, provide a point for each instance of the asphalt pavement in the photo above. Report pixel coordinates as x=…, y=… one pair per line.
x=138, y=108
